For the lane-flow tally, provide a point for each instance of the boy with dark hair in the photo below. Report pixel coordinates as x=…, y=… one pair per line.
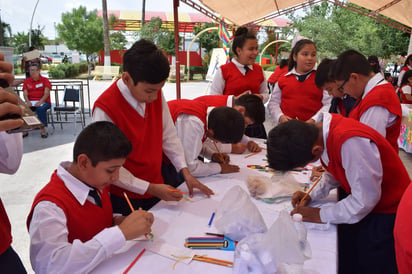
x=377, y=104
x=135, y=103
x=71, y=223
x=195, y=122
x=252, y=109
x=364, y=164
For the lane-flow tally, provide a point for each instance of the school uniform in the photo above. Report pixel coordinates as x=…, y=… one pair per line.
x=69, y=232
x=151, y=130
x=190, y=119
x=402, y=72
x=342, y=106
x=298, y=99
x=234, y=79
x=406, y=89
x=379, y=108
x=11, y=147
x=374, y=180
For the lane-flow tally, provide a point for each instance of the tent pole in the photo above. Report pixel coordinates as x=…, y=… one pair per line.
x=177, y=40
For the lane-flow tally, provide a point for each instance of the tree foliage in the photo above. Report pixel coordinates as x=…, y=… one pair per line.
x=335, y=29
x=159, y=35
x=208, y=40
x=81, y=30
x=5, y=34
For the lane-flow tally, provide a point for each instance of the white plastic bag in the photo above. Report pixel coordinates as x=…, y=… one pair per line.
x=237, y=216
x=278, y=250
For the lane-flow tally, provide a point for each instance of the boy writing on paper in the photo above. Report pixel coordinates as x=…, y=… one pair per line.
x=71, y=223
x=135, y=104
x=252, y=109
x=361, y=161
x=195, y=122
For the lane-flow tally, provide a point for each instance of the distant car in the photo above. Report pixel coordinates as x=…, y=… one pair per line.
x=46, y=59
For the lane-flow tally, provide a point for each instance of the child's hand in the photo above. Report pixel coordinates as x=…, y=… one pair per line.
x=316, y=173
x=310, y=214
x=9, y=105
x=253, y=147
x=227, y=168
x=162, y=191
x=238, y=148
x=222, y=158
x=193, y=183
x=297, y=199
x=138, y=223
x=284, y=118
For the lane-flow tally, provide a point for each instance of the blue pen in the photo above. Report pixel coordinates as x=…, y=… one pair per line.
x=211, y=219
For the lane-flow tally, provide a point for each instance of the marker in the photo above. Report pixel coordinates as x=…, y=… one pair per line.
x=211, y=219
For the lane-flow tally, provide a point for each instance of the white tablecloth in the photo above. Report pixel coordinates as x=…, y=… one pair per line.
x=175, y=222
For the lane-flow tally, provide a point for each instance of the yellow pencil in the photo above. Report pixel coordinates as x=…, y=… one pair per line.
x=307, y=193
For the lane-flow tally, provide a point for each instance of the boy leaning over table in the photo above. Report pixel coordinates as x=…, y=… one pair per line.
x=361, y=161
x=71, y=223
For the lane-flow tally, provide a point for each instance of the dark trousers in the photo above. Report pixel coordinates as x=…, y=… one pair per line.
x=256, y=131
x=10, y=262
x=41, y=112
x=170, y=177
x=367, y=246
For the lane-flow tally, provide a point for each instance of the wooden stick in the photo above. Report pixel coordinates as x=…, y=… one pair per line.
x=134, y=261
x=307, y=193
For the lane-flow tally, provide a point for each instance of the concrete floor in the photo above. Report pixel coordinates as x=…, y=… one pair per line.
x=42, y=156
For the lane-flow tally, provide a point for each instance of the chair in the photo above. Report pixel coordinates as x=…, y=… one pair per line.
x=71, y=104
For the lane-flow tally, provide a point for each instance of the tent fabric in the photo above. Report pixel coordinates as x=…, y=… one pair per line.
x=242, y=12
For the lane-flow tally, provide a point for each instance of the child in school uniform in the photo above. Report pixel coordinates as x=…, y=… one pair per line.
x=365, y=165
x=135, y=103
x=71, y=223
x=242, y=75
x=195, y=122
x=406, y=88
x=406, y=67
x=377, y=104
x=295, y=95
x=252, y=109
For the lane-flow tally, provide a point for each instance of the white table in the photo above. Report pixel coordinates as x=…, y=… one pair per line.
x=174, y=223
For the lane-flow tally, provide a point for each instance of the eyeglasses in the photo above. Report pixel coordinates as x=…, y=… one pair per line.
x=340, y=88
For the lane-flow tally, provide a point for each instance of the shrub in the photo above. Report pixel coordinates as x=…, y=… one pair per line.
x=56, y=73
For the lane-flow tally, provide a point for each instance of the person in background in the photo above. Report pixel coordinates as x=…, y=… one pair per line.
x=25, y=64
x=295, y=95
x=280, y=70
x=11, y=152
x=374, y=62
x=388, y=78
x=36, y=93
x=242, y=75
x=407, y=66
x=406, y=88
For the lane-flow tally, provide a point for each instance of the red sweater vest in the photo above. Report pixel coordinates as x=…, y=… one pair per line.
x=5, y=229
x=385, y=96
x=404, y=100
x=236, y=83
x=191, y=107
x=213, y=100
x=146, y=135
x=300, y=100
x=83, y=221
x=274, y=77
x=395, y=177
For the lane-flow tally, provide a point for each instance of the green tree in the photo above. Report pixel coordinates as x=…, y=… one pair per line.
x=208, y=40
x=19, y=42
x=118, y=40
x=38, y=40
x=82, y=30
x=5, y=34
x=159, y=35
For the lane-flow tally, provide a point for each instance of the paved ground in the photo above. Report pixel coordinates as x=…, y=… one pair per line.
x=41, y=157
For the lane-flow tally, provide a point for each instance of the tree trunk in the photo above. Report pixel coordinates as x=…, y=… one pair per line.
x=106, y=34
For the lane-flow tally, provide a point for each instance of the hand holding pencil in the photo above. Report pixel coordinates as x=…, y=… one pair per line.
x=137, y=223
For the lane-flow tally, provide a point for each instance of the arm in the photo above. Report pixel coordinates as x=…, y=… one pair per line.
x=326, y=100
x=11, y=147
x=218, y=84
x=44, y=97
x=406, y=90
x=400, y=76
x=26, y=97
x=263, y=89
x=378, y=118
x=275, y=111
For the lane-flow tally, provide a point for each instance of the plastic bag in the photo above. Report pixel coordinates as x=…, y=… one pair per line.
x=237, y=216
x=279, y=250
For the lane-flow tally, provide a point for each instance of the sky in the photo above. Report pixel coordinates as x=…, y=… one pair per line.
x=18, y=13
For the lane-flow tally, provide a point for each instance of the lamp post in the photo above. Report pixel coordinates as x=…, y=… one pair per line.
x=31, y=22
x=55, y=36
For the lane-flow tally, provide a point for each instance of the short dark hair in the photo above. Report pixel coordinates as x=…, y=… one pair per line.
x=350, y=61
x=228, y=124
x=283, y=62
x=34, y=65
x=323, y=72
x=374, y=63
x=407, y=60
x=298, y=47
x=145, y=62
x=405, y=77
x=101, y=141
x=254, y=108
x=289, y=145
x=241, y=35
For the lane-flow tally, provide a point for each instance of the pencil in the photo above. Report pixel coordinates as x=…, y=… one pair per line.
x=135, y=260
x=307, y=193
x=176, y=190
x=212, y=261
x=218, y=150
x=251, y=154
x=128, y=201
x=214, y=234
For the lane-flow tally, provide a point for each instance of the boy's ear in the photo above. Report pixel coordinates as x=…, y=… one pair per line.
x=210, y=133
x=317, y=151
x=126, y=78
x=83, y=161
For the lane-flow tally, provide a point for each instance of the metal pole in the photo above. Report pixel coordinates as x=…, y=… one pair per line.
x=31, y=22
x=177, y=40
x=143, y=12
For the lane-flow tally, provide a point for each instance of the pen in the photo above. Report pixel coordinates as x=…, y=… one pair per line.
x=211, y=219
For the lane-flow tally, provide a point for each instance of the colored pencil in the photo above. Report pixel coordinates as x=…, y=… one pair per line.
x=214, y=234
x=128, y=201
x=134, y=261
x=251, y=154
x=211, y=219
x=176, y=190
x=212, y=261
x=218, y=150
x=307, y=193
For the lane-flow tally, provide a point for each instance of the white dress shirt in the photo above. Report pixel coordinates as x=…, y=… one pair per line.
x=407, y=89
x=377, y=117
x=172, y=146
x=400, y=76
x=50, y=251
x=274, y=103
x=11, y=152
x=190, y=130
x=363, y=170
x=218, y=84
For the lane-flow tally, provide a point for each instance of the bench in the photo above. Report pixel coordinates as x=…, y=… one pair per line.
x=101, y=71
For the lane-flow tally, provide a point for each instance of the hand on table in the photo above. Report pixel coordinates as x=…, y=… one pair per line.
x=239, y=148
x=162, y=191
x=297, y=199
x=310, y=214
x=221, y=158
x=253, y=147
x=193, y=183
x=137, y=223
x=228, y=168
